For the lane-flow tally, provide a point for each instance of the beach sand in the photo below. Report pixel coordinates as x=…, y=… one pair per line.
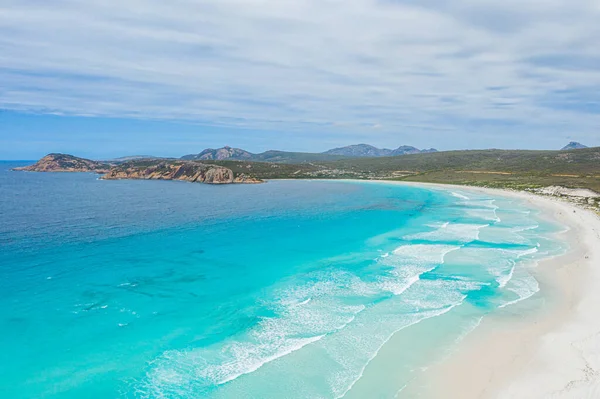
x=551, y=353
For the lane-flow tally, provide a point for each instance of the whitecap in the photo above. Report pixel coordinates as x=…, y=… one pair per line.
x=461, y=232
x=410, y=262
x=524, y=287
x=526, y=252
x=458, y=195
x=520, y=229
x=416, y=318
x=307, y=300
x=504, y=278
x=303, y=315
x=487, y=214
x=292, y=345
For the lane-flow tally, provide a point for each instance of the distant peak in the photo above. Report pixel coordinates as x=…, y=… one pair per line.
x=219, y=154
x=574, y=145
x=359, y=150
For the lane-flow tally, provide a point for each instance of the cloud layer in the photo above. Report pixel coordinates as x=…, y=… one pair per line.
x=470, y=68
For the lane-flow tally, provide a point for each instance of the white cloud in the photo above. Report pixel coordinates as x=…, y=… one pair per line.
x=470, y=66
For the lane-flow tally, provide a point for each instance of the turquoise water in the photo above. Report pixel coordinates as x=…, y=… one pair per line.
x=146, y=289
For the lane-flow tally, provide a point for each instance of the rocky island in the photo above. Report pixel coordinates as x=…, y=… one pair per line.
x=145, y=169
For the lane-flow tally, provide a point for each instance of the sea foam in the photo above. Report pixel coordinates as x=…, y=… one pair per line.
x=459, y=232
x=409, y=262
x=342, y=318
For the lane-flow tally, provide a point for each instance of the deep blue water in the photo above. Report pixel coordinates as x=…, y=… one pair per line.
x=155, y=289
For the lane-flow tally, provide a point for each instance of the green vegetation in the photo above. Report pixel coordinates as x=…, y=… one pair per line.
x=517, y=181
x=294, y=157
x=582, y=161
x=491, y=168
x=265, y=170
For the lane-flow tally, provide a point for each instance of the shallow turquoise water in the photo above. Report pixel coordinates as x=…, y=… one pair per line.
x=145, y=289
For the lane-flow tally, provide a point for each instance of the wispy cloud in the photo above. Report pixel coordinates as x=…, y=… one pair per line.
x=379, y=67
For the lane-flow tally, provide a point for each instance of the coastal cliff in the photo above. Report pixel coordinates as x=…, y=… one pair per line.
x=145, y=169
x=180, y=170
x=66, y=163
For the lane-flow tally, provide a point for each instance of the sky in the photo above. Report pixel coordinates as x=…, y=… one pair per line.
x=106, y=78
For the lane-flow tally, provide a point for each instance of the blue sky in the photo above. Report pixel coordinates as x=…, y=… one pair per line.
x=105, y=78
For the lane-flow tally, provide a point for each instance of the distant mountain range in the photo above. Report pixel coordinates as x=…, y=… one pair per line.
x=366, y=150
x=288, y=157
x=573, y=145
x=133, y=158
x=351, y=151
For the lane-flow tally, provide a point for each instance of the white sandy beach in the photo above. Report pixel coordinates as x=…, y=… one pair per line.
x=550, y=354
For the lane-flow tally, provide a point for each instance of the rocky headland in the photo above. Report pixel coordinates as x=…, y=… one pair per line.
x=66, y=163
x=178, y=170
x=145, y=169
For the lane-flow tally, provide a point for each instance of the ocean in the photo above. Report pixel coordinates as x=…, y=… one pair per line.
x=289, y=289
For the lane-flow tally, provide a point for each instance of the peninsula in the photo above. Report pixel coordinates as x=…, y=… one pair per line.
x=144, y=169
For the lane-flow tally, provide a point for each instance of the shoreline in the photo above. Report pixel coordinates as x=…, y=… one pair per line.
x=553, y=352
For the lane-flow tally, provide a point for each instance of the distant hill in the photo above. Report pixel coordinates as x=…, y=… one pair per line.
x=220, y=154
x=237, y=154
x=133, y=158
x=352, y=151
x=294, y=157
x=573, y=145
x=406, y=150
x=360, y=150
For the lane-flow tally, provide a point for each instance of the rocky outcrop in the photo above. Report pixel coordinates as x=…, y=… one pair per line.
x=246, y=179
x=66, y=163
x=194, y=172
